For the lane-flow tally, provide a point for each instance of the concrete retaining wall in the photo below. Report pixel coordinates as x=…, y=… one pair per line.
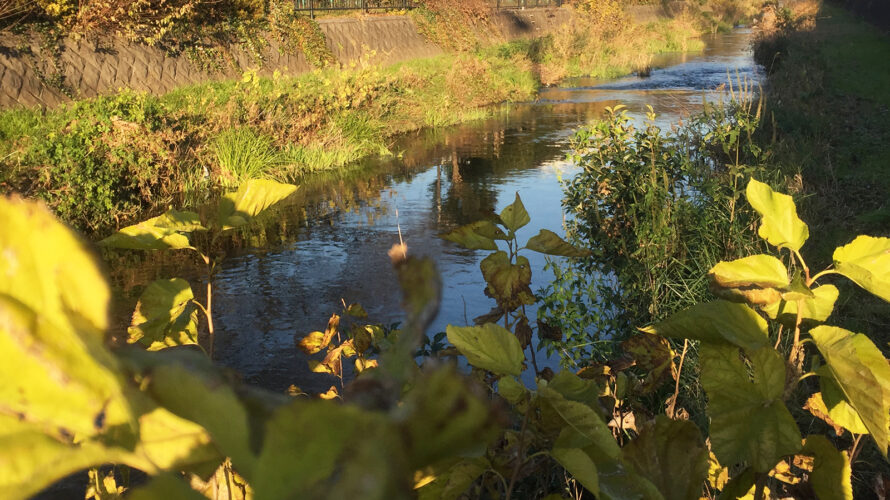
x=90, y=70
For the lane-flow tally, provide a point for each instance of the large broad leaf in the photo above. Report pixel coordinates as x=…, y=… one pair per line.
x=781, y=226
x=490, y=347
x=550, y=243
x=508, y=283
x=63, y=383
x=757, y=279
x=861, y=371
x=672, y=455
x=580, y=466
x=476, y=236
x=582, y=427
x=251, y=198
x=321, y=450
x=830, y=478
x=866, y=260
x=839, y=410
x=817, y=308
x=165, y=315
x=575, y=388
x=652, y=354
x=31, y=459
x=158, y=233
x=47, y=268
x=442, y=417
x=716, y=322
x=514, y=215
x=749, y=420
x=190, y=387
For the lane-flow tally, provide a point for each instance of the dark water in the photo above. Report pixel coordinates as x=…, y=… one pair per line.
x=286, y=277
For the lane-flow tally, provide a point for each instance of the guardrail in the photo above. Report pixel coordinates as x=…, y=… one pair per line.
x=314, y=7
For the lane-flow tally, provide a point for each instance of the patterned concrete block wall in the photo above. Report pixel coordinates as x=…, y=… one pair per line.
x=90, y=70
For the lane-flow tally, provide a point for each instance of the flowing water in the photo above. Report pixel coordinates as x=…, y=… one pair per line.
x=286, y=277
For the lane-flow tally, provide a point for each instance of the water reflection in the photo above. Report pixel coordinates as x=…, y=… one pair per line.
x=288, y=273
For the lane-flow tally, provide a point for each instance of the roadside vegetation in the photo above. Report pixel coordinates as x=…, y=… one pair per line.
x=101, y=162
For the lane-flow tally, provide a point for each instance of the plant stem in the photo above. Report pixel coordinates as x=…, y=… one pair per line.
x=795, y=357
x=208, y=310
x=803, y=264
x=759, y=486
x=677, y=386
x=519, y=453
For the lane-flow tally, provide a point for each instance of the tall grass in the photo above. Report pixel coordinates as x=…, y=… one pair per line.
x=242, y=155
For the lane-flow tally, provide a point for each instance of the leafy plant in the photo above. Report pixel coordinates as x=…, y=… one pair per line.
x=167, y=312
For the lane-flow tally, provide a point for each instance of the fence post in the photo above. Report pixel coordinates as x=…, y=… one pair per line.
x=311, y=10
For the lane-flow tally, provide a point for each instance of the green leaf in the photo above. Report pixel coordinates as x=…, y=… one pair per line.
x=817, y=309
x=863, y=375
x=473, y=236
x=47, y=268
x=158, y=233
x=307, y=441
x=197, y=392
x=757, y=279
x=781, y=226
x=581, y=426
x=548, y=242
x=575, y=388
x=866, y=261
x=830, y=478
x=508, y=283
x=514, y=216
x=165, y=315
x=716, y=322
x=672, y=455
x=64, y=383
x=169, y=442
x=580, y=466
x=749, y=420
x=443, y=418
x=490, y=347
x=511, y=389
x=31, y=459
x=356, y=311
x=838, y=408
x=251, y=198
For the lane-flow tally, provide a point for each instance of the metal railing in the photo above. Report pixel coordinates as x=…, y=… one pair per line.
x=314, y=7
x=522, y=4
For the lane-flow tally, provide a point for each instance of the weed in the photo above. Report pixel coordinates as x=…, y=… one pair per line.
x=243, y=155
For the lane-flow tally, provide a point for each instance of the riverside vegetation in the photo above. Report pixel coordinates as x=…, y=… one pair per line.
x=102, y=162
x=73, y=403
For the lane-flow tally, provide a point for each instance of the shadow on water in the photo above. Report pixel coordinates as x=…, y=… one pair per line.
x=288, y=273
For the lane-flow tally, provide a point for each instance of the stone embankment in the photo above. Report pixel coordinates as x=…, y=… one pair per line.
x=93, y=68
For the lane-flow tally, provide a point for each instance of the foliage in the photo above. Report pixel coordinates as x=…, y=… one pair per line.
x=657, y=210
x=167, y=312
x=173, y=411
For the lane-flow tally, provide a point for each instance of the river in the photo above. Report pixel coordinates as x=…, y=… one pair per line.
x=287, y=275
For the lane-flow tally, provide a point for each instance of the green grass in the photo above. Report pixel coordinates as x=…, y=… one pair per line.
x=243, y=155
